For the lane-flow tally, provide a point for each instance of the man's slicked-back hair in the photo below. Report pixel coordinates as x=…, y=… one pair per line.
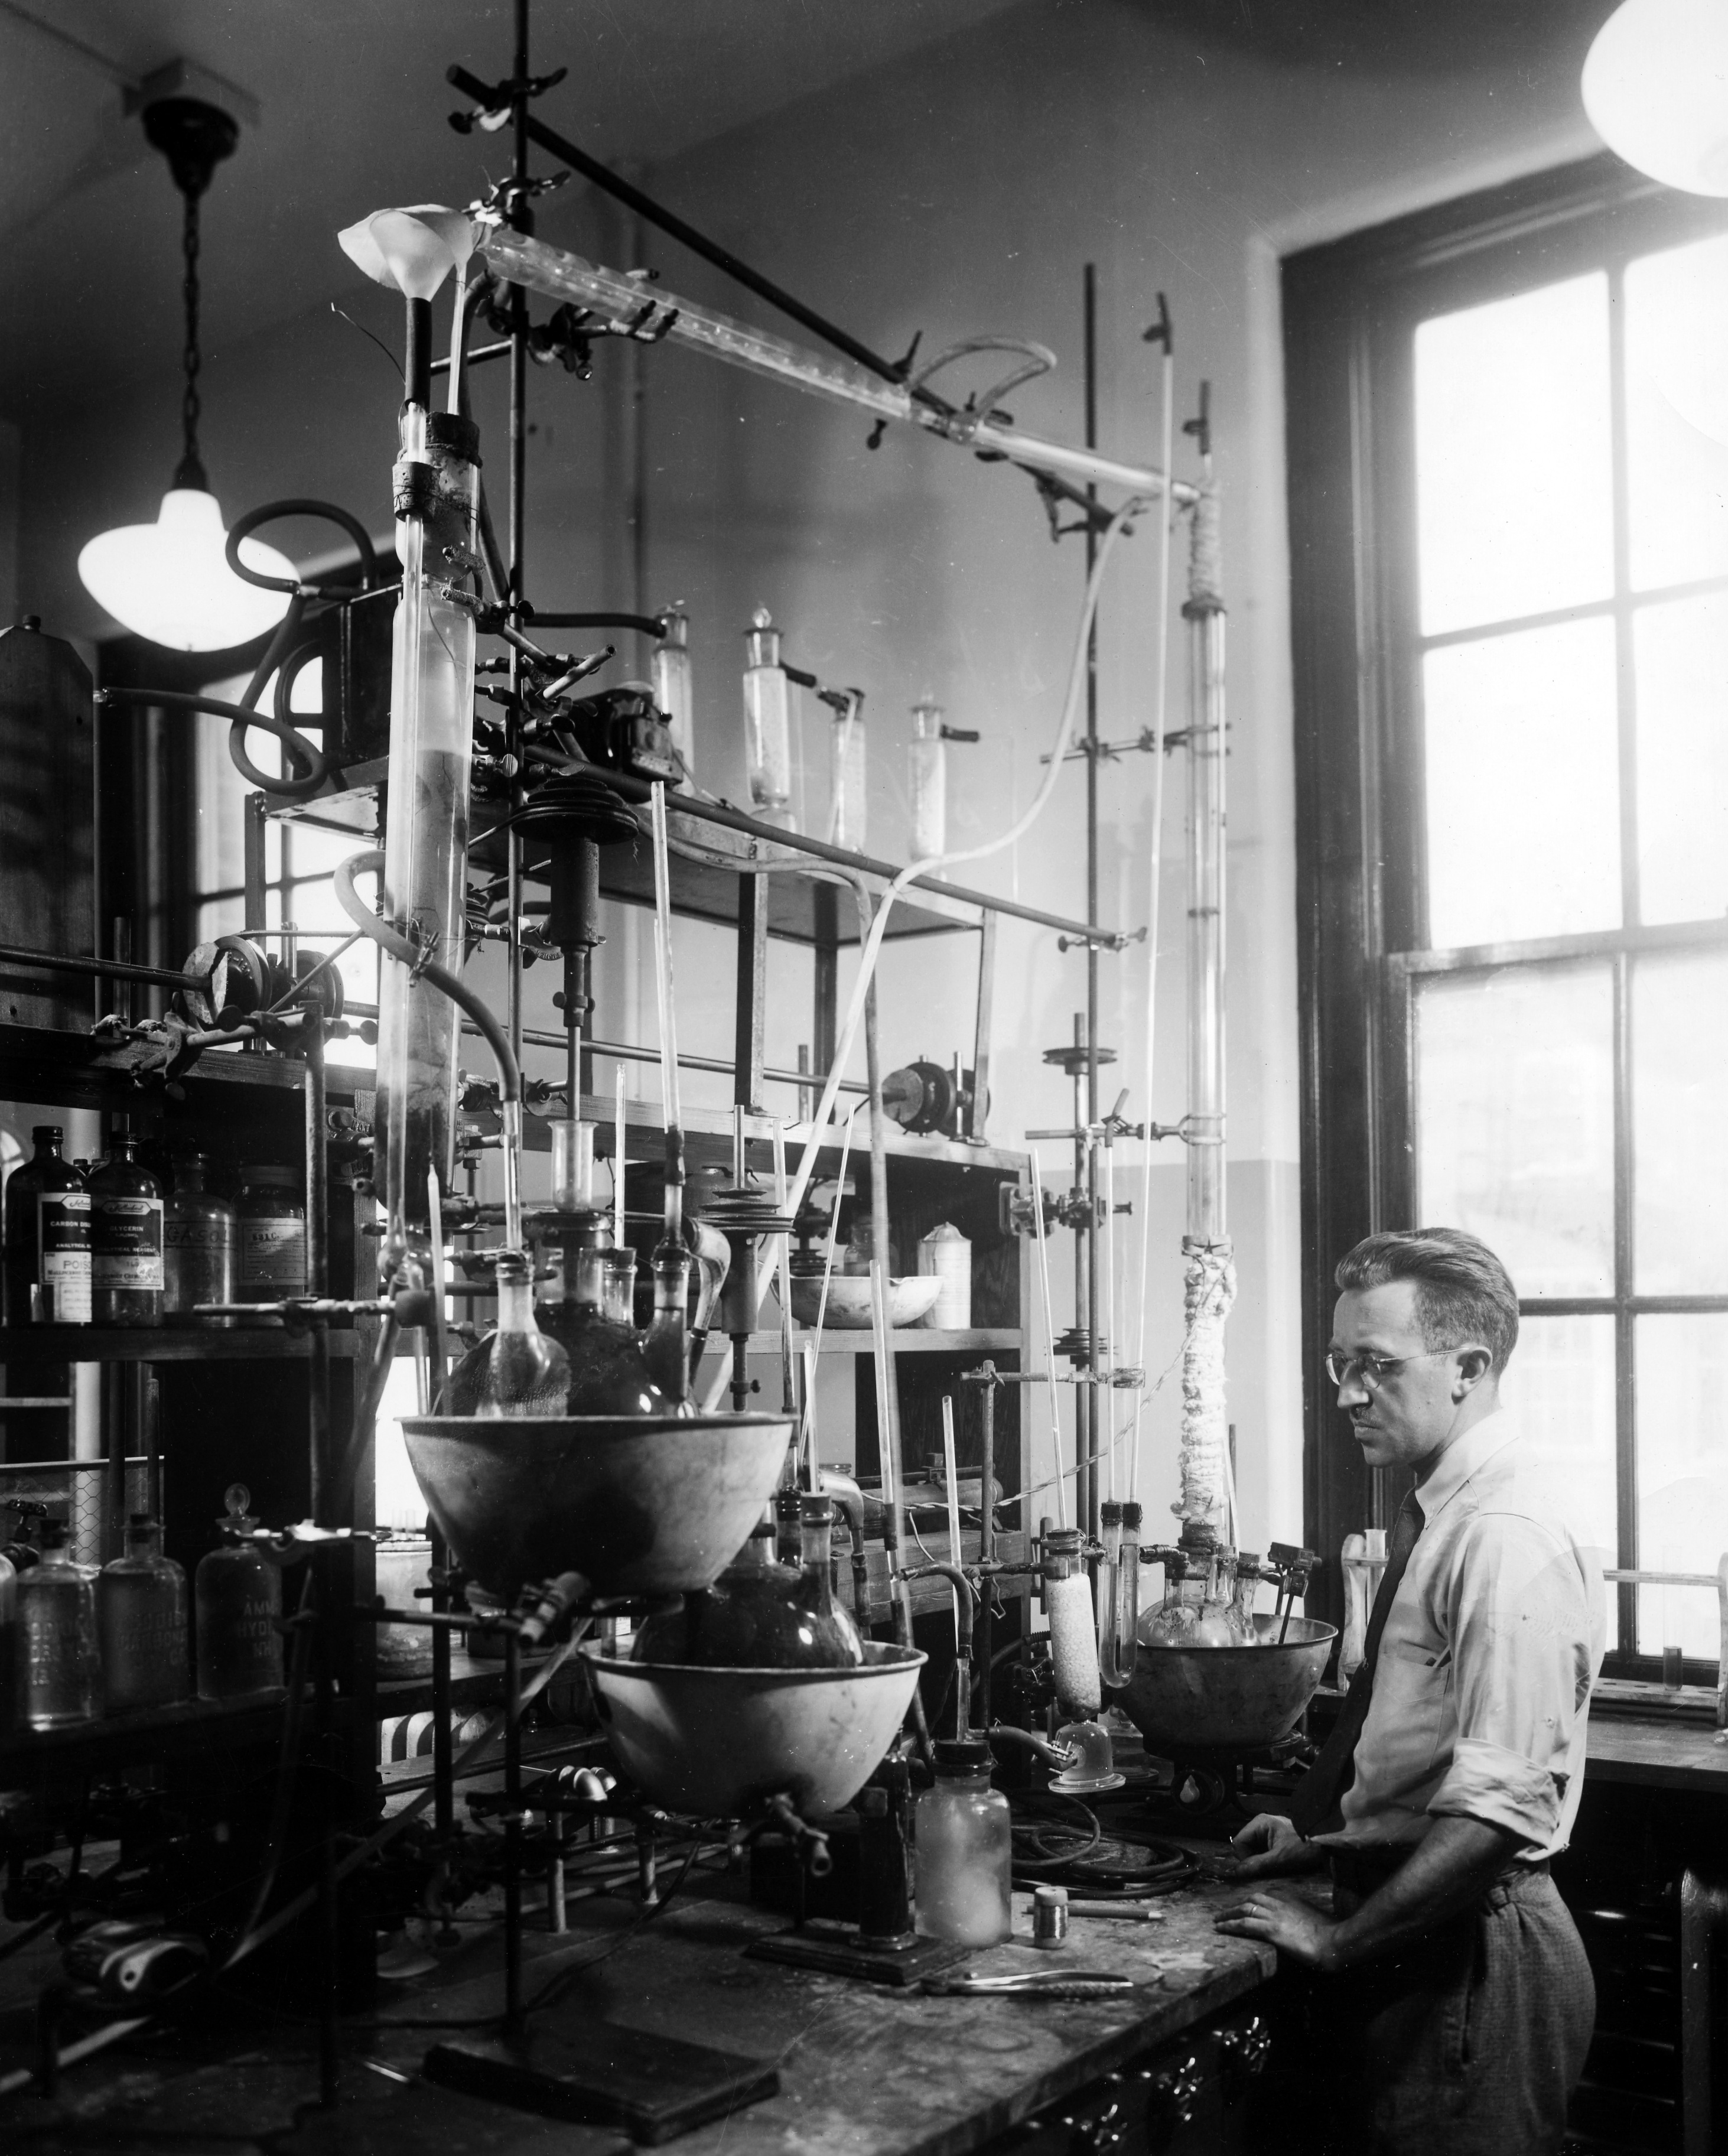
x=1462, y=1291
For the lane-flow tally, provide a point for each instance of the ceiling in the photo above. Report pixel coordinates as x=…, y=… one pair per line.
x=353, y=105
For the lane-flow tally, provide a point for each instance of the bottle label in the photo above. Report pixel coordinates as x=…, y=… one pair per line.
x=272, y=1254
x=63, y=1257
x=199, y=1238
x=128, y=1243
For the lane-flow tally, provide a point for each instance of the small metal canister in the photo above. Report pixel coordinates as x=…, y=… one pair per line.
x=1049, y=1916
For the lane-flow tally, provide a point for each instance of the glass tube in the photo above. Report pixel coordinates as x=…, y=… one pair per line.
x=768, y=718
x=426, y=833
x=850, y=775
x=674, y=693
x=927, y=775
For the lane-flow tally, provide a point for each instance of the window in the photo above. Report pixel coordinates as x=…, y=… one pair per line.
x=1512, y=637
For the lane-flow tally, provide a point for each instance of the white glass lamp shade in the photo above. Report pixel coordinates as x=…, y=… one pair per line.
x=1655, y=87
x=170, y=581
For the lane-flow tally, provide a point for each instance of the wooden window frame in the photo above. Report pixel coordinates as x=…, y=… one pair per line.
x=1349, y=310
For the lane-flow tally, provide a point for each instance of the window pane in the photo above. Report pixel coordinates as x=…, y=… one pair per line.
x=1520, y=756
x=1681, y=1476
x=1679, y=1123
x=1681, y=655
x=1514, y=1119
x=1560, y=1384
x=1513, y=460
x=1677, y=413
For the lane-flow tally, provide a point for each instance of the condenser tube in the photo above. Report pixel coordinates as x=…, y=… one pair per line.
x=426, y=826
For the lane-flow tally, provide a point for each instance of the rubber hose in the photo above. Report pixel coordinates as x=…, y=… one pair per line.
x=330, y=512
x=391, y=940
x=316, y=765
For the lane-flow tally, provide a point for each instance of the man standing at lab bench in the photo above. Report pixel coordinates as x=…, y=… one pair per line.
x=1453, y=1999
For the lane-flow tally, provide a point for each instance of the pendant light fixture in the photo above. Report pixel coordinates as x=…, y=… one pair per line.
x=1655, y=87
x=170, y=581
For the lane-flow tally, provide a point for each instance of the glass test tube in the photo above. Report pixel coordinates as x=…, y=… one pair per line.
x=768, y=718
x=851, y=776
x=674, y=691
x=927, y=774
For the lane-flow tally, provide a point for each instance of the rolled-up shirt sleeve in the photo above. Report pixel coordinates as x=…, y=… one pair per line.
x=1520, y=1628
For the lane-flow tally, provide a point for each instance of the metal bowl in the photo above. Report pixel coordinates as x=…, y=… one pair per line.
x=714, y=1742
x=1226, y=1699
x=638, y=1504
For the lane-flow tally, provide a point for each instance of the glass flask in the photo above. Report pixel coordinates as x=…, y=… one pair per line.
x=199, y=1240
x=608, y=1373
x=927, y=783
x=47, y=1237
x=1218, y=1626
x=9, y=1702
x=674, y=693
x=1242, y=1607
x=617, y=1286
x=762, y=1615
x=516, y=1370
x=426, y=829
x=126, y=1239
x=962, y=1850
x=62, y=1666
x=849, y=816
x=271, y=1264
x=141, y=1622
x=663, y=1346
x=237, y=1600
x=768, y=722
x=1173, y=1622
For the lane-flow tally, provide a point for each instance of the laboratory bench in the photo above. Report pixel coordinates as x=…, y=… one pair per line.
x=862, y=2070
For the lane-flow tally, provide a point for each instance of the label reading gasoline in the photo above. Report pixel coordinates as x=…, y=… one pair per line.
x=272, y=1254
x=63, y=1256
x=128, y=1249
x=200, y=1238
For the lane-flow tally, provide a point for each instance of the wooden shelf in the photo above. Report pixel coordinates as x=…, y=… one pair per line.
x=152, y=1734
x=167, y=1343
x=910, y=1340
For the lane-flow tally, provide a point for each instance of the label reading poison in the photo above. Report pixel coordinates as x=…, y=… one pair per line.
x=128, y=1243
x=63, y=1256
x=272, y=1254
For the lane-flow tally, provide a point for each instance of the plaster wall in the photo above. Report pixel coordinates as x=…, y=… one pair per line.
x=956, y=190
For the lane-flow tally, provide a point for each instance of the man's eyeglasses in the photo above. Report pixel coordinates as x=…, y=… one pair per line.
x=1370, y=1370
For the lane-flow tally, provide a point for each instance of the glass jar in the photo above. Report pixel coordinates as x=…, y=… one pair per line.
x=62, y=1667
x=126, y=1239
x=48, y=1238
x=199, y=1239
x=272, y=1236
x=237, y=1600
x=962, y=1850
x=141, y=1622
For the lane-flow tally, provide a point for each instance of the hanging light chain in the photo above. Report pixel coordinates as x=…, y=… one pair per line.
x=192, y=468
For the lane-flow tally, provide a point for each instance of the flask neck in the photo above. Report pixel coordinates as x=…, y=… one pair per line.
x=516, y=1301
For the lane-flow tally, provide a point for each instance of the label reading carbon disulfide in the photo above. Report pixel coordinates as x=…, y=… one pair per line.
x=63, y=1256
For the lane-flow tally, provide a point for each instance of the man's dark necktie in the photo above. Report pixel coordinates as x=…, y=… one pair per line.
x=1315, y=1800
